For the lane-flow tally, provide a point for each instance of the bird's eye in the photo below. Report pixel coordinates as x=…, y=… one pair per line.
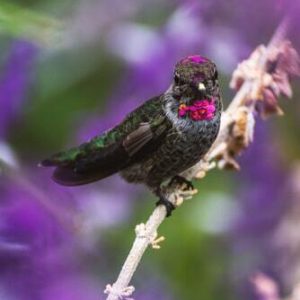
x=177, y=79
x=215, y=75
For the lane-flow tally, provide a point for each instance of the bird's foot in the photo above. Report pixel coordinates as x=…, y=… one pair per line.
x=163, y=200
x=185, y=184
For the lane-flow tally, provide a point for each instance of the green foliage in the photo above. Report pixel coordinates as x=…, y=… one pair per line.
x=20, y=22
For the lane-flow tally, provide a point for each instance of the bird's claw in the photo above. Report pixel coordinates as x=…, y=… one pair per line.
x=169, y=205
x=182, y=182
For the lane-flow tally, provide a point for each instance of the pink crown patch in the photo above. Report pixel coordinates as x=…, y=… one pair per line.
x=195, y=58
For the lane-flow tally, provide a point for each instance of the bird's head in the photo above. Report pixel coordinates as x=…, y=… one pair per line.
x=195, y=85
x=195, y=78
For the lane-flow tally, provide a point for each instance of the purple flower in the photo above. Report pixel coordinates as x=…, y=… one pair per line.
x=75, y=287
x=27, y=233
x=44, y=256
x=14, y=82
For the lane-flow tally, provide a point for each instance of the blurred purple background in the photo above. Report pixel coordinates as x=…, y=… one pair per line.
x=78, y=74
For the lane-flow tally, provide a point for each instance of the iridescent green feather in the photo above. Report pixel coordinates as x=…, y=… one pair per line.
x=151, y=111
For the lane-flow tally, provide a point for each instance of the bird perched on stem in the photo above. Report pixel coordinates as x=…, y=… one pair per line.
x=158, y=140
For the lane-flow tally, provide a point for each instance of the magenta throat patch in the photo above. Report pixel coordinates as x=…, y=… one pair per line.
x=200, y=110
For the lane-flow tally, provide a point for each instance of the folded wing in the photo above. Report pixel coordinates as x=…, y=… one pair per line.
x=111, y=152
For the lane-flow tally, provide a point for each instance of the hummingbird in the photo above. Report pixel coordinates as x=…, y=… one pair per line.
x=158, y=140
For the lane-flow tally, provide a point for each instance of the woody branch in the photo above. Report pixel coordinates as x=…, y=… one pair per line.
x=259, y=81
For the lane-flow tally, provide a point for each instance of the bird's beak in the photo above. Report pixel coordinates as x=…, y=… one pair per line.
x=201, y=87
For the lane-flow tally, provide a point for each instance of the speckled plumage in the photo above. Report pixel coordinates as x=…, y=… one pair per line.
x=153, y=143
x=184, y=144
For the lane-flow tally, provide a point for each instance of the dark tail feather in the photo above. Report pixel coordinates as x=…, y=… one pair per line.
x=46, y=163
x=67, y=177
x=72, y=170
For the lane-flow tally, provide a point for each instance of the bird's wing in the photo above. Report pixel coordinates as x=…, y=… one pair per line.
x=116, y=149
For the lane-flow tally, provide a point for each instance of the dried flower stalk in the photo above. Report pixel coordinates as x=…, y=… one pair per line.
x=259, y=81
